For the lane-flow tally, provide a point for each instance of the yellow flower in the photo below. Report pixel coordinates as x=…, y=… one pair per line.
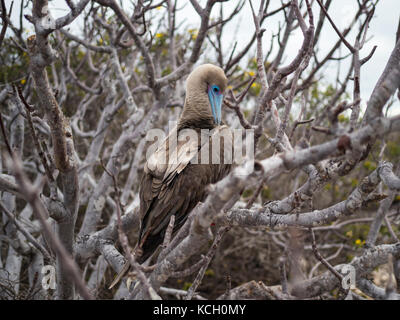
x=100, y=41
x=159, y=7
x=358, y=242
x=251, y=73
x=193, y=33
x=23, y=81
x=159, y=35
x=254, y=85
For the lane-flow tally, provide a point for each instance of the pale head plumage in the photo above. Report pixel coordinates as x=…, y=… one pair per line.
x=197, y=103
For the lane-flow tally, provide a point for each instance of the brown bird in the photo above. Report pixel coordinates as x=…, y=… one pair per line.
x=175, y=186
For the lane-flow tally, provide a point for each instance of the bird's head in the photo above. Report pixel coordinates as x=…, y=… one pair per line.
x=205, y=89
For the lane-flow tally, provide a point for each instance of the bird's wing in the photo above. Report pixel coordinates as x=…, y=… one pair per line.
x=168, y=161
x=174, y=154
x=161, y=188
x=171, y=158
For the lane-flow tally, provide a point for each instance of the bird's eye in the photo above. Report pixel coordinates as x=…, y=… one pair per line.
x=215, y=88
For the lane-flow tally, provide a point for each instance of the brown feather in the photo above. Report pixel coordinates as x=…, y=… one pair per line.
x=178, y=194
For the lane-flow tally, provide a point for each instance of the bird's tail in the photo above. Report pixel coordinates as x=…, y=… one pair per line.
x=120, y=275
x=142, y=252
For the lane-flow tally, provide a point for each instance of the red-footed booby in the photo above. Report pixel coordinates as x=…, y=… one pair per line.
x=176, y=175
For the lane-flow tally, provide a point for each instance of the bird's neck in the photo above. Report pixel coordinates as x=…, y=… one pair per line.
x=194, y=123
x=196, y=114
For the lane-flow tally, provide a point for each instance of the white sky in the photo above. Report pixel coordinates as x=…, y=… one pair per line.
x=381, y=32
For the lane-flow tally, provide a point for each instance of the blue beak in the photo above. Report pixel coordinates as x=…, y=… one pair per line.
x=216, y=104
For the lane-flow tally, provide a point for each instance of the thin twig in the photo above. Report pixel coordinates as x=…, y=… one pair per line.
x=207, y=259
x=5, y=138
x=124, y=241
x=324, y=261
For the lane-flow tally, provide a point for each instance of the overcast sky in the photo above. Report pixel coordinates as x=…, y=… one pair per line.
x=381, y=33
